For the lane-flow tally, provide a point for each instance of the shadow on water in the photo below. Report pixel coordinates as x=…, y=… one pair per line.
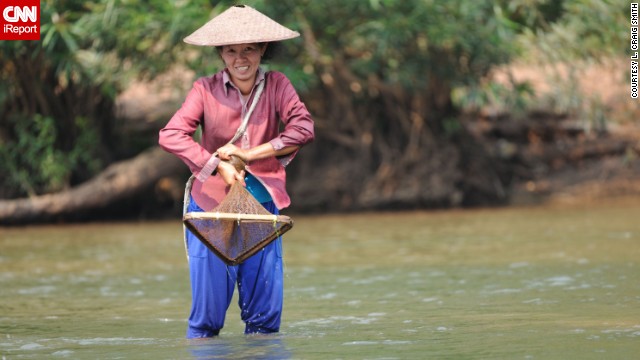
x=534, y=283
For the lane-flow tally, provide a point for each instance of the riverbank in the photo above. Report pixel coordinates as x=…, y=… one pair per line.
x=590, y=152
x=611, y=172
x=582, y=141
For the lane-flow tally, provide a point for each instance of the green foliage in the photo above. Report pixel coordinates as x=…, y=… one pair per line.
x=584, y=33
x=108, y=42
x=404, y=42
x=380, y=73
x=384, y=71
x=585, y=30
x=57, y=91
x=34, y=164
x=566, y=37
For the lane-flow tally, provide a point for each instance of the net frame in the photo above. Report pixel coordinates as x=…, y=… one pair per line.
x=238, y=227
x=228, y=254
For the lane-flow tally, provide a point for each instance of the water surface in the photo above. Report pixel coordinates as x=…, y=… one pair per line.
x=524, y=283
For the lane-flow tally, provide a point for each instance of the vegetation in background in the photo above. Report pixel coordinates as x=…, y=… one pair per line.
x=386, y=81
x=57, y=123
x=32, y=162
x=582, y=33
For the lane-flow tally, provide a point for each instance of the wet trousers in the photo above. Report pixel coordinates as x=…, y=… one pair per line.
x=259, y=280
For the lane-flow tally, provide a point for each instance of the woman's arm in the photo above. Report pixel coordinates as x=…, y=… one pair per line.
x=177, y=136
x=256, y=153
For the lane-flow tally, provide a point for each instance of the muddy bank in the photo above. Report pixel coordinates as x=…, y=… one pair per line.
x=500, y=159
x=493, y=158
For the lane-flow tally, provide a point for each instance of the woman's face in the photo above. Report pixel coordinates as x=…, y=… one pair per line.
x=242, y=61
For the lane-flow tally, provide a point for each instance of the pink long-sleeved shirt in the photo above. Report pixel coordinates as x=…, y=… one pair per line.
x=216, y=105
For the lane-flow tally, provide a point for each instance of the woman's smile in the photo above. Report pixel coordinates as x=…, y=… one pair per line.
x=242, y=62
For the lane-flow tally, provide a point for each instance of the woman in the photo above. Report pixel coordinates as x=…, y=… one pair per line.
x=218, y=104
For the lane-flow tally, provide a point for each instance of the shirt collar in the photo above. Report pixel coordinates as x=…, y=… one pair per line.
x=226, y=80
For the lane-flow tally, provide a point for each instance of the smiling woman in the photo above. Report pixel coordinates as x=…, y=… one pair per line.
x=244, y=97
x=242, y=62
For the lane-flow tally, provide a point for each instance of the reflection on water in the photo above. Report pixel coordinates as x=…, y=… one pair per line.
x=259, y=347
x=534, y=283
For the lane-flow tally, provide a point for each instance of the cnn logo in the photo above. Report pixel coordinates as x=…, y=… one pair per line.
x=16, y=13
x=20, y=20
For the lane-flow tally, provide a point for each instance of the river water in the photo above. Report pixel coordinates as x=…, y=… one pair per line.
x=544, y=282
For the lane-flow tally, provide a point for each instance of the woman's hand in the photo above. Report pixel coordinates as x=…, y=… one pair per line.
x=226, y=151
x=229, y=173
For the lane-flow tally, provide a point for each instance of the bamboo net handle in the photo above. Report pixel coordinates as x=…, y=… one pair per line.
x=233, y=216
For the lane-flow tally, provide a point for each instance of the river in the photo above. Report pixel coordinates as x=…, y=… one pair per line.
x=545, y=282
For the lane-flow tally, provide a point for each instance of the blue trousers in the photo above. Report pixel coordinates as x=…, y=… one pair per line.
x=260, y=287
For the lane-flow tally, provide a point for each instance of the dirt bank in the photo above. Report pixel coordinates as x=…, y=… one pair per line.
x=560, y=153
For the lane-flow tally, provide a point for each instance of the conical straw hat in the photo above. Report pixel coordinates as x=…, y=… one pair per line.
x=240, y=24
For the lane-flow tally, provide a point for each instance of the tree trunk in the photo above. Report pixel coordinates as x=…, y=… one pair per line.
x=117, y=182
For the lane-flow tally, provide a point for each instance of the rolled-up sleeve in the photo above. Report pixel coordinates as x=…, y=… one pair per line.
x=298, y=124
x=177, y=136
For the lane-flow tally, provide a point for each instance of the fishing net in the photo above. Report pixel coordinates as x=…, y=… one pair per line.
x=238, y=227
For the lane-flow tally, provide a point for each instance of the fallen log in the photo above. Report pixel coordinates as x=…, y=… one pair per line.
x=118, y=181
